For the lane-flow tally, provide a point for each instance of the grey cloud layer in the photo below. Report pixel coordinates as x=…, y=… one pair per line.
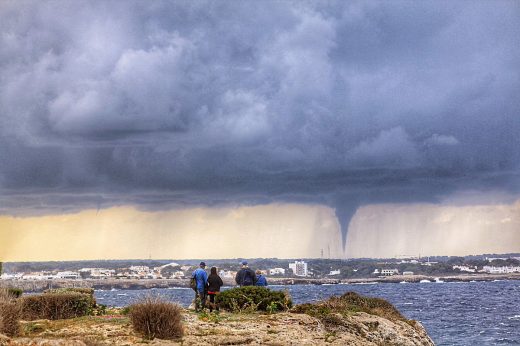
x=160, y=103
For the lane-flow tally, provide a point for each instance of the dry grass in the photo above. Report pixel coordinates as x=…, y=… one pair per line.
x=9, y=314
x=155, y=317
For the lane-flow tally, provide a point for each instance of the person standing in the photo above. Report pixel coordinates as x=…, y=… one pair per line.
x=245, y=276
x=260, y=279
x=214, y=284
x=201, y=277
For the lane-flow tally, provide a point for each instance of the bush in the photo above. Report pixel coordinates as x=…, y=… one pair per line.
x=84, y=290
x=254, y=298
x=154, y=317
x=15, y=292
x=55, y=306
x=9, y=314
x=348, y=304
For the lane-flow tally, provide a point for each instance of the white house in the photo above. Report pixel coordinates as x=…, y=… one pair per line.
x=98, y=273
x=227, y=274
x=277, y=271
x=178, y=274
x=14, y=276
x=335, y=272
x=389, y=272
x=465, y=269
x=67, y=275
x=501, y=270
x=140, y=269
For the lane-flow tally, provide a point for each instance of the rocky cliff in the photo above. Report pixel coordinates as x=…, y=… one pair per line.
x=230, y=329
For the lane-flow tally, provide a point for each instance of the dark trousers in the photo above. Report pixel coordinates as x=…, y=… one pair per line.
x=212, y=304
x=200, y=300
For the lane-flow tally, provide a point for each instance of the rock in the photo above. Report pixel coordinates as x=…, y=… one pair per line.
x=4, y=340
x=46, y=342
x=287, y=328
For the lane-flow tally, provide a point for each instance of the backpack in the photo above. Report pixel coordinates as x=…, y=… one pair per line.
x=193, y=283
x=249, y=278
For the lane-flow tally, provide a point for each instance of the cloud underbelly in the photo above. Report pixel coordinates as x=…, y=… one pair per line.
x=275, y=230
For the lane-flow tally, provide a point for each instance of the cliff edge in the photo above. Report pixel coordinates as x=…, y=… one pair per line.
x=347, y=320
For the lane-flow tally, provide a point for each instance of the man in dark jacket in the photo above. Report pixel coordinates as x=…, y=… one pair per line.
x=245, y=276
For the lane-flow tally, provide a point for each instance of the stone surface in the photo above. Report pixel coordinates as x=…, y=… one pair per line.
x=227, y=329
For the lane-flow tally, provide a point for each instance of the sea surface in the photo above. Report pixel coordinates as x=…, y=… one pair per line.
x=462, y=313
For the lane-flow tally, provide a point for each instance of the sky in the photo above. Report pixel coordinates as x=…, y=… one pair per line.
x=112, y=112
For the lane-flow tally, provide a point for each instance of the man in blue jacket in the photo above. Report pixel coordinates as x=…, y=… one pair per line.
x=201, y=277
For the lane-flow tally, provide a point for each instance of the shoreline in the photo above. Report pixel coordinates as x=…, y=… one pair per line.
x=136, y=284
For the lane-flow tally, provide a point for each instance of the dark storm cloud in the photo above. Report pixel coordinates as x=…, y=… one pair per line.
x=165, y=104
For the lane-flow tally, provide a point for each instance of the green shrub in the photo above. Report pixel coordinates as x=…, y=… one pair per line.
x=9, y=314
x=154, y=317
x=55, y=306
x=349, y=303
x=84, y=290
x=254, y=298
x=100, y=310
x=15, y=292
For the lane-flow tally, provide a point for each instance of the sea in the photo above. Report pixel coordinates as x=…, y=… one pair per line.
x=453, y=313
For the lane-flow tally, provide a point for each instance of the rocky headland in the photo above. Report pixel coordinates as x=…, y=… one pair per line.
x=227, y=329
x=347, y=320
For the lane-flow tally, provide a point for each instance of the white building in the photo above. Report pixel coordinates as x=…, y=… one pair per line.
x=178, y=275
x=227, y=274
x=67, y=275
x=413, y=261
x=37, y=276
x=140, y=269
x=277, y=271
x=14, y=276
x=407, y=273
x=465, y=269
x=376, y=271
x=389, y=272
x=299, y=268
x=335, y=272
x=500, y=270
x=98, y=273
x=491, y=259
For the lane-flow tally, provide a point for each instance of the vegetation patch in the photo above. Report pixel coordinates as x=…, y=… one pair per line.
x=54, y=306
x=254, y=298
x=332, y=310
x=154, y=317
x=9, y=314
x=14, y=292
x=83, y=290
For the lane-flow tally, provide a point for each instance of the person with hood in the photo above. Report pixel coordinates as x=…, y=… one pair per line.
x=214, y=284
x=245, y=276
x=260, y=279
x=201, y=277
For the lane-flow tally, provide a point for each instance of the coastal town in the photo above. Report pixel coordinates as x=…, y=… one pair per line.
x=271, y=268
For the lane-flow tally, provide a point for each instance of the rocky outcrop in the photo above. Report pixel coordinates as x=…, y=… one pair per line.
x=229, y=329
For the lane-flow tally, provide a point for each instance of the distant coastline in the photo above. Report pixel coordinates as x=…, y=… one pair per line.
x=108, y=284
